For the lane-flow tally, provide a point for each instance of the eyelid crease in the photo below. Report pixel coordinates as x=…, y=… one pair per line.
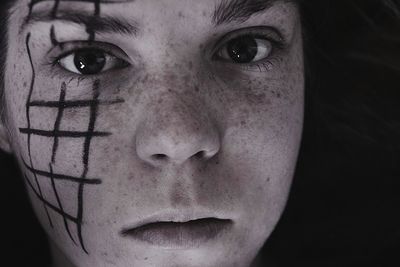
x=67, y=48
x=61, y=73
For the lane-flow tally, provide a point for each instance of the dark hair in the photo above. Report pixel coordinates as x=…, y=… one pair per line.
x=347, y=166
x=4, y=7
x=342, y=210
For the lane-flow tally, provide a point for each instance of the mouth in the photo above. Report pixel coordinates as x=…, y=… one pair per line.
x=170, y=234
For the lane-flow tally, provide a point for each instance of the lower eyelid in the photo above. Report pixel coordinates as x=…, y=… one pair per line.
x=264, y=65
x=269, y=64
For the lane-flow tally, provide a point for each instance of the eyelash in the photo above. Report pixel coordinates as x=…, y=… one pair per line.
x=68, y=48
x=269, y=34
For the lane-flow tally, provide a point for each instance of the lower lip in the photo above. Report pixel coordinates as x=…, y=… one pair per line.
x=180, y=235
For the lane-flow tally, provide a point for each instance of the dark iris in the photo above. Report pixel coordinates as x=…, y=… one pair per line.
x=89, y=61
x=242, y=49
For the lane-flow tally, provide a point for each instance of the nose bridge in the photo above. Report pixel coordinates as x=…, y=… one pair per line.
x=176, y=128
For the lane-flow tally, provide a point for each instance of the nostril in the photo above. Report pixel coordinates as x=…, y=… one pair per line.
x=200, y=154
x=159, y=156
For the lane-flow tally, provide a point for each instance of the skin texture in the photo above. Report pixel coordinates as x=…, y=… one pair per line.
x=173, y=99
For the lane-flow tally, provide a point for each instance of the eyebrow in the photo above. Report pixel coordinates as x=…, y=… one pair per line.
x=99, y=24
x=34, y=2
x=227, y=11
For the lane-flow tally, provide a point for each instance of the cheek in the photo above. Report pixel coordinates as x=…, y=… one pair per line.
x=263, y=119
x=264, y=109
x=54, y=142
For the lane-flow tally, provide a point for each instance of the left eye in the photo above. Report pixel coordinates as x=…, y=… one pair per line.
x=90, y=61
x=245, y=49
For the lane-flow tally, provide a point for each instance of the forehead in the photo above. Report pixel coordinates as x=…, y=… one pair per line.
x=132, y=17
x=223, y=10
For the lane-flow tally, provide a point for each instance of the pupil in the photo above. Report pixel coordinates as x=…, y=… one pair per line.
x=242, y=49
x=89, y=61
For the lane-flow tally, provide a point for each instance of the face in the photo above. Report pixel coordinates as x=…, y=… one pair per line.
x=156, y=133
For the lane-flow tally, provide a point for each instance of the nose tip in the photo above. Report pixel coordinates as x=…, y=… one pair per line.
x=169, y=147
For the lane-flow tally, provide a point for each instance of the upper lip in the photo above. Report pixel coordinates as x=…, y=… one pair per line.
x=174, y=216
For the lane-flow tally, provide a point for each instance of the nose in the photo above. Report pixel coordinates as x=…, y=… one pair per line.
x=175, y=132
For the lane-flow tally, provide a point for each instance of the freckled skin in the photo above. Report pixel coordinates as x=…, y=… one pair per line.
x=178, y=101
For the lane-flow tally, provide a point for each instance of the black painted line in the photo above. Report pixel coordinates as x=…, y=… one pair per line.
x=85, y=158
x=53, y=37
x=74, y=103
x=60, y=206
x=30, y=6
x=57, y=123
x=55, y=8
x=97, y=8
x=28, y=119
x=48, y=204
x=89, y=26
x=71, y=134
x=62, y=177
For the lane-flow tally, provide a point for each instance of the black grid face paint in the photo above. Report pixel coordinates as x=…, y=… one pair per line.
x=89, y=27
x=61, y=105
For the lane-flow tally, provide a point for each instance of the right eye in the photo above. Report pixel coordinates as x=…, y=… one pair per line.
x=90, y=62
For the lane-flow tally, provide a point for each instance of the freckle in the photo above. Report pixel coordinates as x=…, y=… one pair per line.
x=145, y=259
x=242, y=123
x=145, y=78
x=180, y=14
x=116, y=149
x=160, y=101
x=186, y=78
x=171, y=77
x=196, y=88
